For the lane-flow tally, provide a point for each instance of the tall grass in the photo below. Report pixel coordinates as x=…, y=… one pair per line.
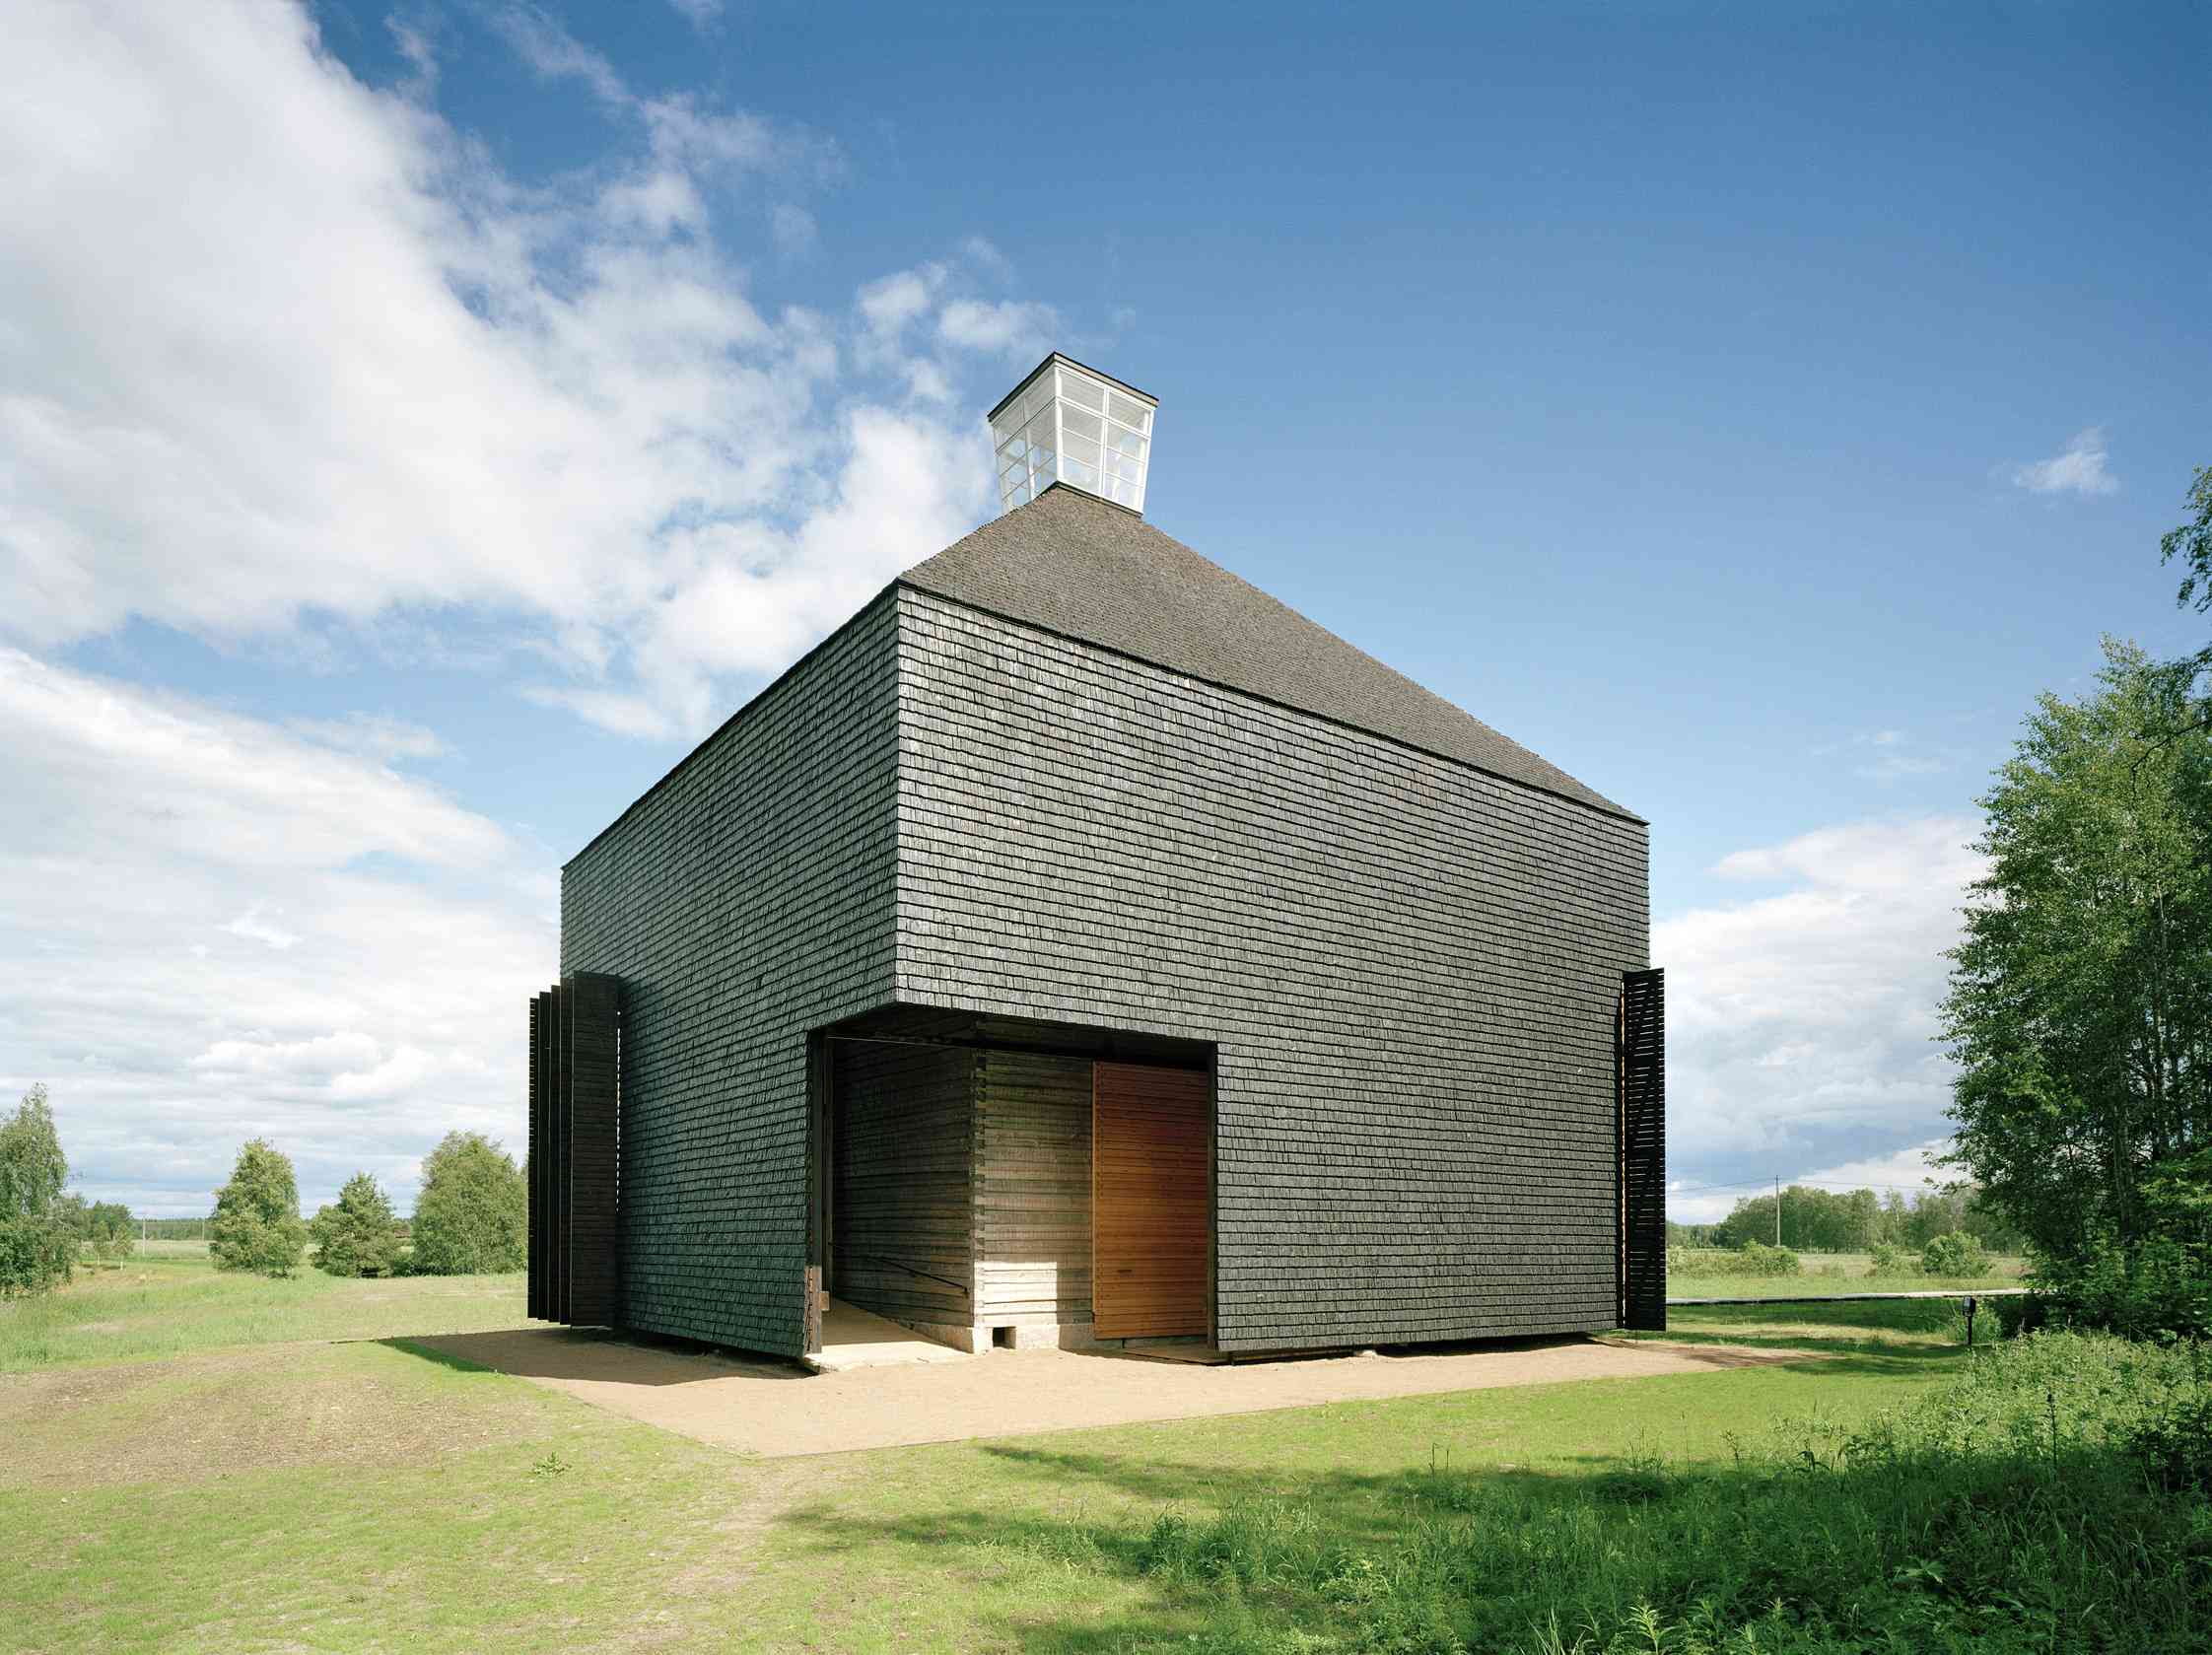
x=2051, y=1499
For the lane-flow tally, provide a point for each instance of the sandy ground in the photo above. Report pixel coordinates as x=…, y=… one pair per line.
x=777, y=1411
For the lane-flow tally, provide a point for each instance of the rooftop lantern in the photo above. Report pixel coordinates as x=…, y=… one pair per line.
x=1070, y=423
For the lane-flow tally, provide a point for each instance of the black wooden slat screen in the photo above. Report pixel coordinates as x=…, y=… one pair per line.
x=1643, y=1149
x=575, y=1265
x=534, y=1160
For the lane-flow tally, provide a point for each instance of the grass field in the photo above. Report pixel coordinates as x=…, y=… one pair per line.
x=218, y=1491
x=172, y=1303
x=1838, y=1272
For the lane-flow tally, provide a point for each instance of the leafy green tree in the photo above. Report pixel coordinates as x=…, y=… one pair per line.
x=256, y=1224
x=472, y=1217
x=106, y=1230
x=38, y=1246
x=2192, y=544
x=2079, y=1006
x=360, y=1234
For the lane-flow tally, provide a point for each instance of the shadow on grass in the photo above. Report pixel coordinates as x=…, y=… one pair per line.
x=588, y=1354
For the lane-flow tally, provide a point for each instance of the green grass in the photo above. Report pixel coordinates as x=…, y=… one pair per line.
x=173, y=1304
x=364, y=1497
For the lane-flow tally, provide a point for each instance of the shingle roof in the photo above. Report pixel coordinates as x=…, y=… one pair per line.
x=1078, y=566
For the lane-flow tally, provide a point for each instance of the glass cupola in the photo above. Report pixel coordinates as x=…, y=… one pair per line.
x=1070, y=423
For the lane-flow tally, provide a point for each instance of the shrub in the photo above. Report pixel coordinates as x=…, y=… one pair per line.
x=359, y=1236
x=1893, y=1259
x=256, y=1224
x=1954, y=1255
x=1755, y=1258
x=37, y=1245
x=1694, y=1261
x=472, y=1217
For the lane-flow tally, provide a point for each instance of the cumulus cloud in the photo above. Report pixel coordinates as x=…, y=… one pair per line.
x=1801, y=1020
x=249, y=386
x=2078, y=469
x=219, y=926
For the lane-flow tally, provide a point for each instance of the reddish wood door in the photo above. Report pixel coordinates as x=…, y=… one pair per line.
x=1151, y=1212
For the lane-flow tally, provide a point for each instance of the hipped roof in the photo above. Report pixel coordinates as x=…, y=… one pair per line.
x=1080, y=567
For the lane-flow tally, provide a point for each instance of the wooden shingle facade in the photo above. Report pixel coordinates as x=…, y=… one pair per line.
x=1072, y=883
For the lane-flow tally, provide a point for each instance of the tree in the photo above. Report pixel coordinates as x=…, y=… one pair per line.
x=359, y=1236
x=2191, y=543
x=472, y=1217
x=38, y=1247
x=256, y=1224
x=105, y=1229
x=2079, y=1006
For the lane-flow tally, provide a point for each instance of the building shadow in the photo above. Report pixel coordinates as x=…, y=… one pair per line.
x=591, y=1355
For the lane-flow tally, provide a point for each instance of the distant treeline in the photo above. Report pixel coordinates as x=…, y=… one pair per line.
x=1853, y=1221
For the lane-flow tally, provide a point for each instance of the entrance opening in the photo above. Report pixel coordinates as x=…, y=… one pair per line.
x=982, y=1176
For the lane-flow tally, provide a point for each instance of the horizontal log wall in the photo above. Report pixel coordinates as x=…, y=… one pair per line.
x=902, y=1199
x=1032, y=1197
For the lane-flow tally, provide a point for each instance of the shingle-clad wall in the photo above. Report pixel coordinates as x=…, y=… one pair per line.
x=742, y=902
x=1409, y=968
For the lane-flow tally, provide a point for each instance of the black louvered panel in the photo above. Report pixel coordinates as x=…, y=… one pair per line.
x=1643, y=1149
x=592, y=1008
x=535, y=1168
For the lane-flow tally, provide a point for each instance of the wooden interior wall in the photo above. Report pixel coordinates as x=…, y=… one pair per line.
x=1032, y=1196
x=902, y=1122
x=1152, y=1206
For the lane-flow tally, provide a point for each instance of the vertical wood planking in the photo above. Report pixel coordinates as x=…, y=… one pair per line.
x=1151, y=1161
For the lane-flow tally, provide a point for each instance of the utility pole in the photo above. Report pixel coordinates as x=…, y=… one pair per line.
x=1777, y=1212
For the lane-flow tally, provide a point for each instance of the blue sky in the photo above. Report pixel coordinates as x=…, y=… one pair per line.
x=418, y=424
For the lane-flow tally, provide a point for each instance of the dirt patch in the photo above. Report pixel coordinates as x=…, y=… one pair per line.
x=772, y=1409
x=193, y=1419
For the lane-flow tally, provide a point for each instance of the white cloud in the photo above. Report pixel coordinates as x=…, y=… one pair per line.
x=2079, y=469
x=1007, y=329
x=1911, y=1168
x=698, y=13
x=377, y=376
x=1801, y=1025
x=219, y=927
